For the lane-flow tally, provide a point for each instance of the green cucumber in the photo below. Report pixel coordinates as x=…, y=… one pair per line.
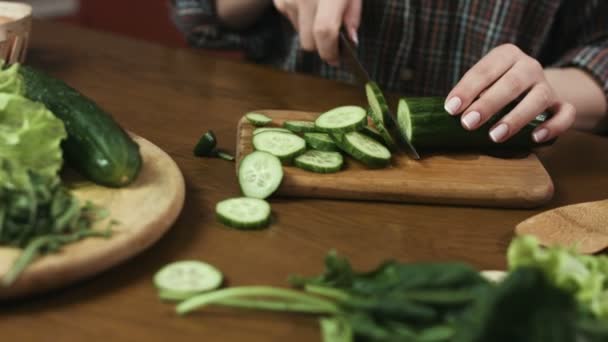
x=260, y=174
x=321, y=142
x=341, y=120
x=285, y=146
x=378, y=111
x=258, y=119
x=320, y=161
x=243, y=213
x=97, y=146
x=298, y=126
x=270, y=129
x=426, y=124
x=206, y=145
x=183, y=279
x=364, y=149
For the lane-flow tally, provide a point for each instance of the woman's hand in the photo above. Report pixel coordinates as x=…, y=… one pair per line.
x=318, y=23
x=495, y=81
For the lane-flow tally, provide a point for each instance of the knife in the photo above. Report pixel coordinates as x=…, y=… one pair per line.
x=349, y=55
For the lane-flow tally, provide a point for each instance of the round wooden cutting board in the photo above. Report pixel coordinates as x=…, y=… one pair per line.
x=145, y=210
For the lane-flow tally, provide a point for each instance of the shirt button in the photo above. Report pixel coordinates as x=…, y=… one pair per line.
x=406, y=74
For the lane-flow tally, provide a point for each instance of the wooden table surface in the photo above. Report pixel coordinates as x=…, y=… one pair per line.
x=171, y=97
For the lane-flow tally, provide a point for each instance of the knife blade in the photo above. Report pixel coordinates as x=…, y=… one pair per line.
x=349, y=56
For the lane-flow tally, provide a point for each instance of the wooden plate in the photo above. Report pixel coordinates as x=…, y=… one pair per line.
x=145, y=210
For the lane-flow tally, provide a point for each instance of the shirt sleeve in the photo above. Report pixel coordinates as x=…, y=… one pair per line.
x=583, y=31
x=197, y=20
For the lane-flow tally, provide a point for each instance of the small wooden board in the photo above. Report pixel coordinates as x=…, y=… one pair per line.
x=448, y=178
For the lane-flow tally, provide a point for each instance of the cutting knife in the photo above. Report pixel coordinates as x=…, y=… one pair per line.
x=349, y=55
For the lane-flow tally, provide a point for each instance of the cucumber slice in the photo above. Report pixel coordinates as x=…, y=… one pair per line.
x=341, y=120
x=260, y=174
x=187, y=278
x=285, y=146
x=320, y=161
x=243, y=213
x=321, y=142
x=300, y=126
x=270, y=129
x=363, y=148
x=258, y=119
x=378, y=110
x=372, y=133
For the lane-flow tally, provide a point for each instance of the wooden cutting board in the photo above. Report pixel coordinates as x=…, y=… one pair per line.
x=448, y=178
x=145, y=210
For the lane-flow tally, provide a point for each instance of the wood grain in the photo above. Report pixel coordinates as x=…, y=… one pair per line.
x=583, y=226
x=145, y=210
x=171, y=97
x=441, y=178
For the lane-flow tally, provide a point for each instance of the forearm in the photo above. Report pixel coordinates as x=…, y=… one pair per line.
x=239, y=14
x=581, y=90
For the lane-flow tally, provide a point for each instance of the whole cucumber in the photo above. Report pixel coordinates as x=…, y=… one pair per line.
x=97, y=146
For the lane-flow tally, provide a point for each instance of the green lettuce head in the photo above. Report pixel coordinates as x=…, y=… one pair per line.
x=30, y=135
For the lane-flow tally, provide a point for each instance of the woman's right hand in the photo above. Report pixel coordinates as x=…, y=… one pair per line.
x=318, y=23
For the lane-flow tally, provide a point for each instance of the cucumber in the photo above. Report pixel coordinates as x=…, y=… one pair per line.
x=341, y=120
x=285, y=146
x=299, y=126
x=205, y=147
x=97, y=147
x=363, y=148
x=321, y=142
x=258, y=119
x=427, y=125
x=243, y=213
x=270, y=129
x=183, y=279
x=320, y=161
x=378, y=111
x=260, y=174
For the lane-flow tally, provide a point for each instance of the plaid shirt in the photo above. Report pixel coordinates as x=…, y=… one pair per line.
x=424, y=47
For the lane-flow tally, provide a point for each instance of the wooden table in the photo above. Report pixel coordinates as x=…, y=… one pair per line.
x=171, y=97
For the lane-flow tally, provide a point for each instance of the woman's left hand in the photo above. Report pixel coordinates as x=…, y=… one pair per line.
x=502, y=76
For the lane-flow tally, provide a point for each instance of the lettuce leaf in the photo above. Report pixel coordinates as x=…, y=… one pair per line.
x=584, y=276
x=30, y=135
x=11, y=81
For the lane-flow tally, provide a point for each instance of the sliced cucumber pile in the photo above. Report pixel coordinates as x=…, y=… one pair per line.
x=183, y=279
x=320, y=161
x=260, y=174
x=342, y=119
x=299, y=126
x=243, y=212
x=284, y=146
x=258, y=119
x=321, y=142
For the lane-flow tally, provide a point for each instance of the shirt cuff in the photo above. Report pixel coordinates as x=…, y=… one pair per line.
x=592, y=59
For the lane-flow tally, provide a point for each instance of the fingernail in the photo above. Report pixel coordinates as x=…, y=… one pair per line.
x=470, y=120
x=354, y=36
x=540, y=135
x=453, y=105
x=499, y=132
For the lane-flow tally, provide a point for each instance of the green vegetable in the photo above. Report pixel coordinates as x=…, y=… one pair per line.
x=30, y=135
x=243, y=213
x=96, y=145
x=258, y=119
x=320, y=161
x=341, y=120
x=39, y=215
x=378, y=111
x=296, y=126
x=184, y=279
x=260, y=174
x=426, y=124
x=285, y=146
x=207, y=147
x=584, y=276
x=364, y=149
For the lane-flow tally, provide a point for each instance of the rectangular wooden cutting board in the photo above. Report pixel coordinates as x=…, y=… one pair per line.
x=446, y=178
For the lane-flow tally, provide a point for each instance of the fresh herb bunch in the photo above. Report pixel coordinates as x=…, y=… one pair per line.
x=423, y=302
x=40, y=215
